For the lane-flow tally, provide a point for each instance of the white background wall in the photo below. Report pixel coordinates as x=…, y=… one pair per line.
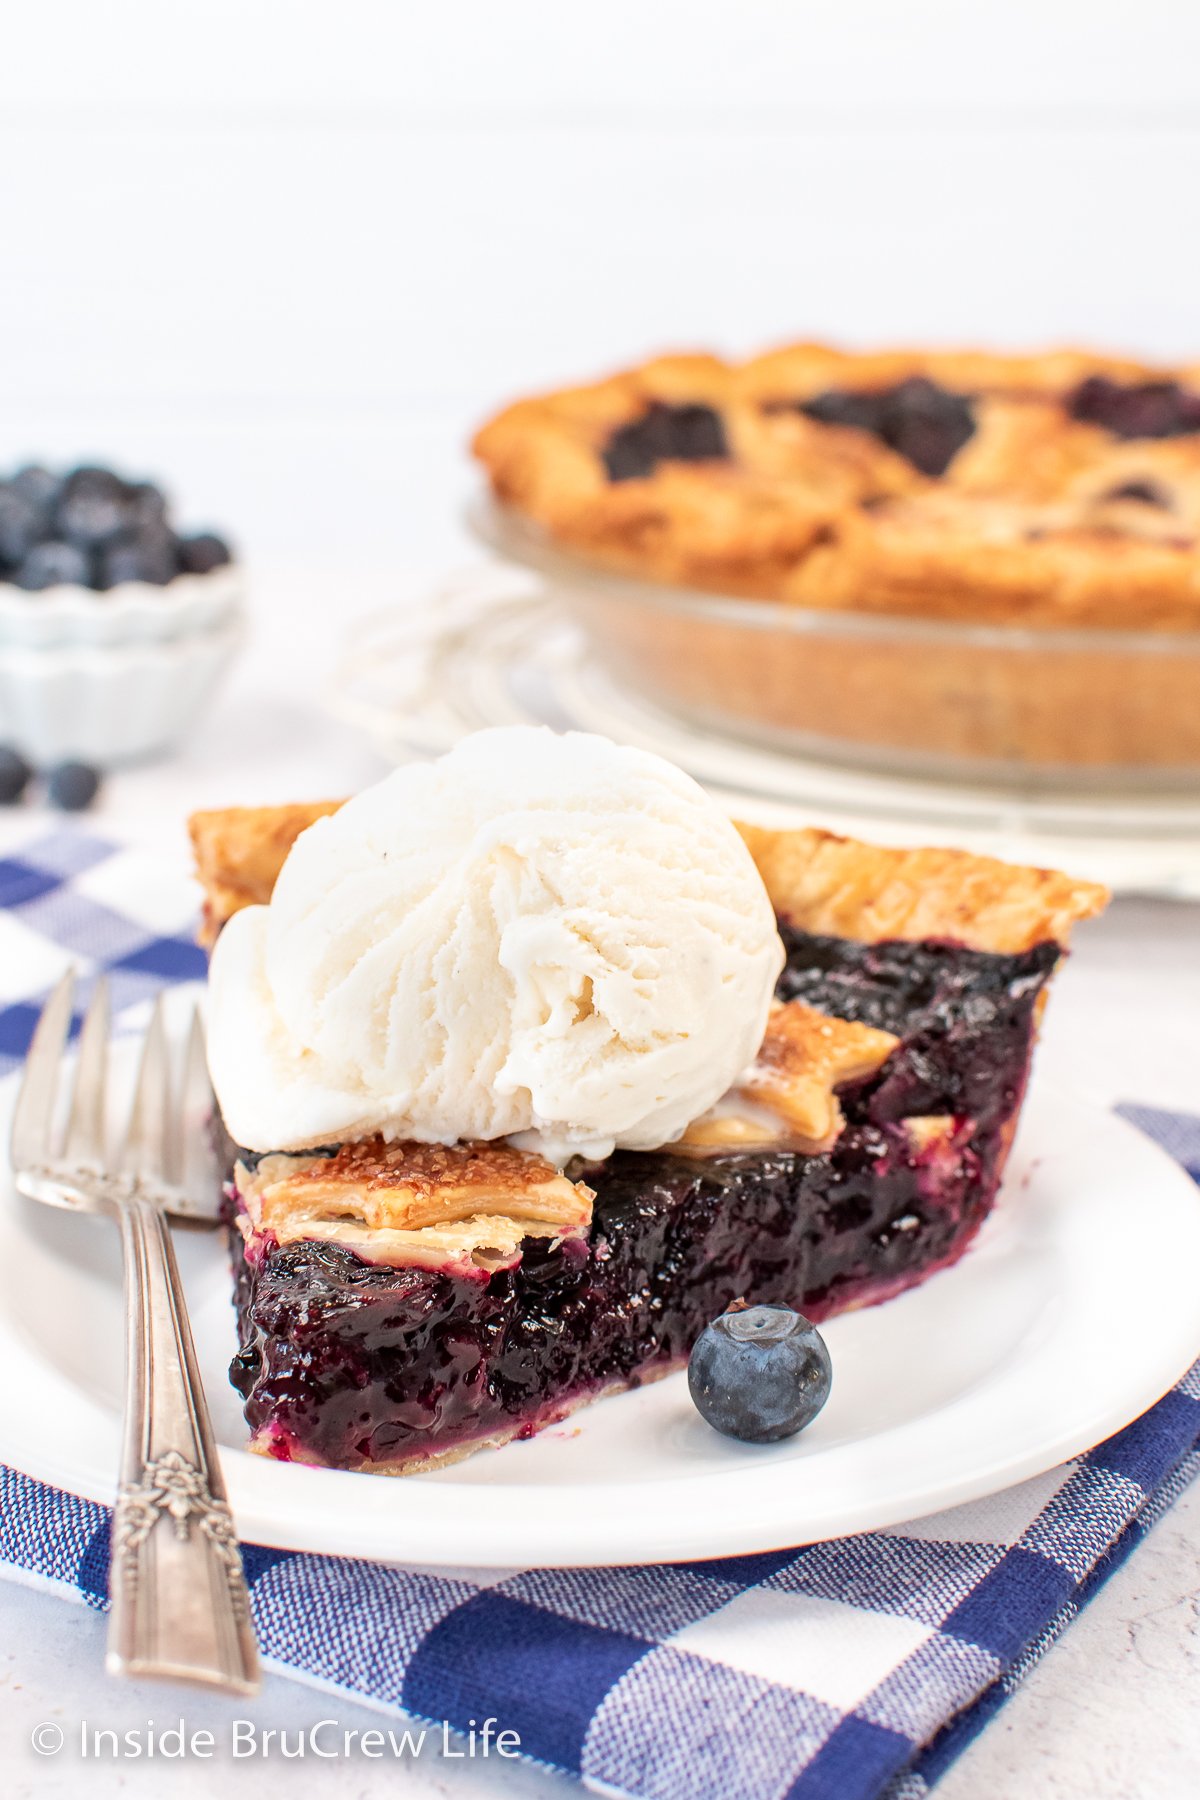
x=285, y=253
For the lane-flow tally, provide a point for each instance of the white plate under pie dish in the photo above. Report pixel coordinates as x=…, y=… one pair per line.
x=1074, y=1311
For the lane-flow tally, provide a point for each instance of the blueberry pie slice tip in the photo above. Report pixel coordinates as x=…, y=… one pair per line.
x=403, y=1304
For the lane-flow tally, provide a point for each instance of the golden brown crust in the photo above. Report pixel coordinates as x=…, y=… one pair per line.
x=734, y=525
x=817, y=881
x=1022, y=526
x=839, y=887
x=789, y=1096
x=803, y=370
x=806, y=1056
x=1108, y=565
x=240, y=850
x=485, y=1241
x=407, y=1185
x=431, y=1204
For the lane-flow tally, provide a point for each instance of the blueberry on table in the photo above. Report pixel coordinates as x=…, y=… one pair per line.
x=201, y=554
x=147, y=555
x=760, y=1373
x=73, y=786
x=51, y=564
x=14, y=775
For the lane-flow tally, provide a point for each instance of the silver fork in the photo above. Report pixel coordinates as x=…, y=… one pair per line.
x=180, y=1608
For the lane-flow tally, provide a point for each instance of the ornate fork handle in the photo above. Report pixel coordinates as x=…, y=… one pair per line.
x=180, y=1607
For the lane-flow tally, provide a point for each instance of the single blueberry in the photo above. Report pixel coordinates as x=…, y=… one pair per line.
x=201, y=554
x=14, y=775
x=38, y=486
x=73, y=786
x=145, y=505
x=92, y=508
x=760, y=1373
x=21, y=525
x=147, y=555
x=51, y=565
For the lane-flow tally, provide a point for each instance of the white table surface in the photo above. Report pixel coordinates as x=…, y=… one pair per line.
x=1111, y=1713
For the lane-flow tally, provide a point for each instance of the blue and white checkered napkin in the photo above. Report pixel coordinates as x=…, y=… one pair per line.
x=841, y=1671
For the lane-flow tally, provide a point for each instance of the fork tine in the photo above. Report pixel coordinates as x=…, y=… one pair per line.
x=33, y=1115
x=86, y=1122
x=197, y=1175
x=146, y=1144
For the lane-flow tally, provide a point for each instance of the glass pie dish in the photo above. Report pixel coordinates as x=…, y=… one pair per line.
x=1026, y=706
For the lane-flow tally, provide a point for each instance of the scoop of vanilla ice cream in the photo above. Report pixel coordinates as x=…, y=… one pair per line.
x=548, y=938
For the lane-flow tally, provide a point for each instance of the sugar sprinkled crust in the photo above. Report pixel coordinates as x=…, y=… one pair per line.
x=462, y=1205
x=839, y=887
x=818, y=882
x=1042, y=516
x=408, y=1185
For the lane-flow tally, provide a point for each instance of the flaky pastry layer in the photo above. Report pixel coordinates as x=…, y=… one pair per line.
x=840, y=887
x=788, y=1097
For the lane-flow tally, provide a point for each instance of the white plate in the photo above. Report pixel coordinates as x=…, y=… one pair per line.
x=1076, y=1309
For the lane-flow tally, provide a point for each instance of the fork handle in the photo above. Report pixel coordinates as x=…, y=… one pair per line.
x=180, y=1606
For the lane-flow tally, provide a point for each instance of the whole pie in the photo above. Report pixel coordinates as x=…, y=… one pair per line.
x=402, y=1304
x=1056, y=489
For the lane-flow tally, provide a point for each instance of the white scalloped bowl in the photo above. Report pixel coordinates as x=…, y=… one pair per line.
x=111, y=704
x=135, y=612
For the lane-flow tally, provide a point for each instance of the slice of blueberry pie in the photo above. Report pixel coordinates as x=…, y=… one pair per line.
x=1055, y=489
x=530, y=1064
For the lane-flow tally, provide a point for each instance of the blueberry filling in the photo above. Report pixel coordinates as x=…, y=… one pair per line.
x=1145, y=409
x=922, y=422
x=964, y=1017
x=351, y=1363
x=664, y=434
x=348, y=1363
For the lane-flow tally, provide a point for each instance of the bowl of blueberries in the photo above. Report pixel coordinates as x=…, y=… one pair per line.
x=115, y=625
